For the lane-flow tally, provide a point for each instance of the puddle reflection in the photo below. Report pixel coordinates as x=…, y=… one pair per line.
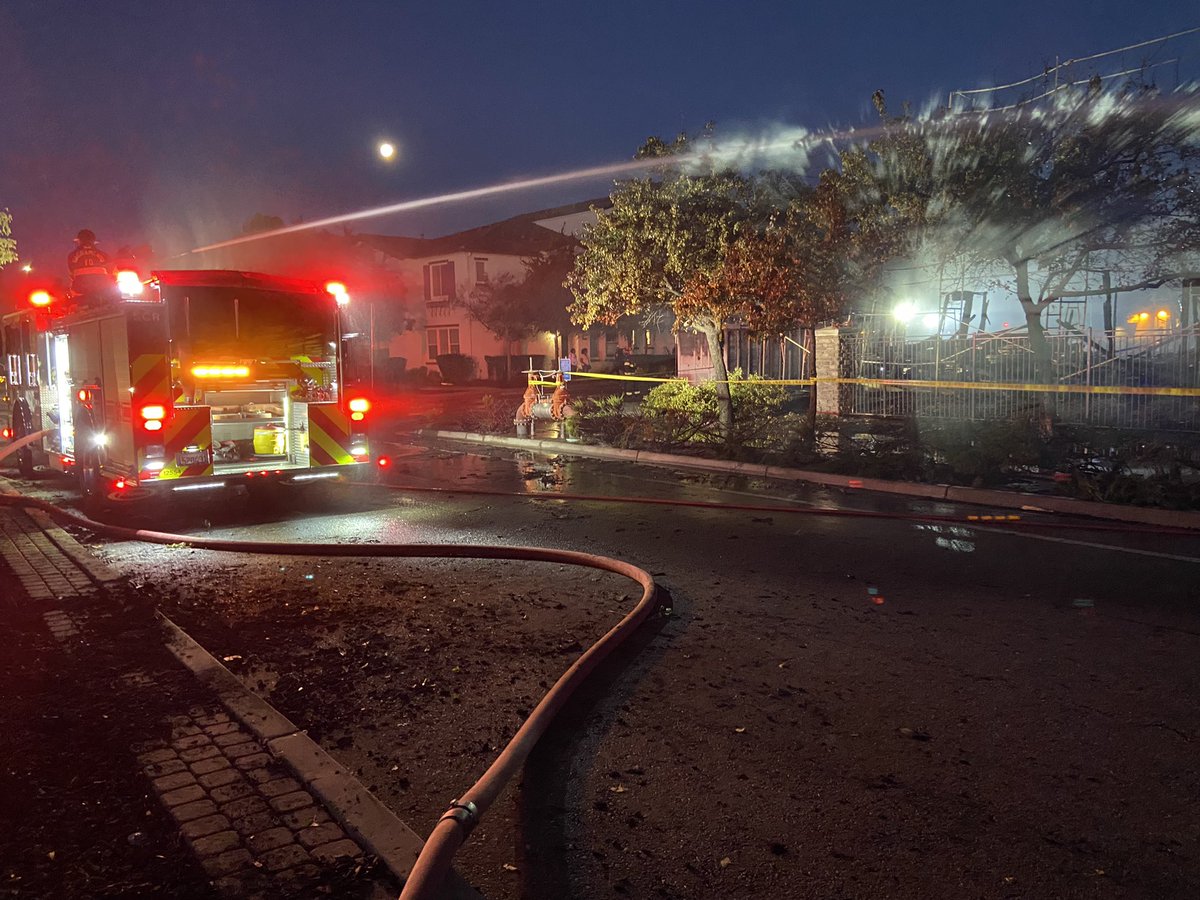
x=950, y=537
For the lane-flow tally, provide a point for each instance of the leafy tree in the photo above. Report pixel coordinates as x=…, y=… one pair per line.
x=512, y=308
x=1040, y=195
x=656, y=244
x=800, y=270
x=8, y=245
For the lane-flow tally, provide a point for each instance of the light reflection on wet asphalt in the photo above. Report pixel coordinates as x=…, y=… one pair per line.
x=401, y=518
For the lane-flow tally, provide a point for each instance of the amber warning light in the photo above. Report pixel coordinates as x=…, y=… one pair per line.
x=221, y=371
x=358, y=408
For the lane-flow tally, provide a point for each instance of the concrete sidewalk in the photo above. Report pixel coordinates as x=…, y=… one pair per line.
x=261, y=819
x=952, y=493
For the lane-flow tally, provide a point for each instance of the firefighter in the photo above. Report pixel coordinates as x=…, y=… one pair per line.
x=88, y=265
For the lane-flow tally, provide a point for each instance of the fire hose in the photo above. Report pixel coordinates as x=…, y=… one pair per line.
x=453, y=828
x=456, y=824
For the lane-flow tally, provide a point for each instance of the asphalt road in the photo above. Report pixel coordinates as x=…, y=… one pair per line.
x=829, y=707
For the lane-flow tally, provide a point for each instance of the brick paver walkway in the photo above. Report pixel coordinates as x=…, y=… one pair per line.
x=255, y=829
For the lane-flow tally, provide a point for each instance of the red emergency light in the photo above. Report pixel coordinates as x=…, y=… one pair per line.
x=152, y=416
x=40, y=299
x=6, y=433
x=358, y=408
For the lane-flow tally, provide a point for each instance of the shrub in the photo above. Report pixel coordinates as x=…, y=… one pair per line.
x=603, y=419
x=678, y=413
x=456, y=368
x=983, y=452
x=494, y=416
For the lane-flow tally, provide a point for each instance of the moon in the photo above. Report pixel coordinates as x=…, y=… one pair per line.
x=387, y=150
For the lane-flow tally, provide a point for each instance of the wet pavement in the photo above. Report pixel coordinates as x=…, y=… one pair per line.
x=843, y=706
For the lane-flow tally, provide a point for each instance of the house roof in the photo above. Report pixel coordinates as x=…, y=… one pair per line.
x=519, y=236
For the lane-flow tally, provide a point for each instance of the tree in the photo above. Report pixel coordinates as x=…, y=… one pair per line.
x=797, y=271
x=8, y=245
x=512, y=308
x=1040, y=195
x=655, y=246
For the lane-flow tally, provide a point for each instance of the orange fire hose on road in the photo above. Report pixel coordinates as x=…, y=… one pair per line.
x=431, y=867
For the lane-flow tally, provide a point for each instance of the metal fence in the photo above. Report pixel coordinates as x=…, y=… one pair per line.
x=1146, y=381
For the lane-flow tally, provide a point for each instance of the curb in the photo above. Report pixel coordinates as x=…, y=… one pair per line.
x=1140, y=515
x=98, y=572
x=356, y=809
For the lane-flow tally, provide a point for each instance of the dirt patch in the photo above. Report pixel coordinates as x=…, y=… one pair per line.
x=414, y=675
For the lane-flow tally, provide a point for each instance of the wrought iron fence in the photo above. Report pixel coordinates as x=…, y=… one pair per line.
x=1126, y=382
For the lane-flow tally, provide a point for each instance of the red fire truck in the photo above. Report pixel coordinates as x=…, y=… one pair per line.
x=185, y=381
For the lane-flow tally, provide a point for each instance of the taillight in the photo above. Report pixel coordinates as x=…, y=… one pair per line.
x=358, y=408
x=152, y=416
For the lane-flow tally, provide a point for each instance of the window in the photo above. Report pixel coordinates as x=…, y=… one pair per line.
x=442, y=340
x=439, y=281
x=480, y=271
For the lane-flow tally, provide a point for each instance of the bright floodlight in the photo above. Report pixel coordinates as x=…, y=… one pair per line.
x=27, y=268
x=905, y=311
x=339, y=292
x=129, y=283
x=386, y=150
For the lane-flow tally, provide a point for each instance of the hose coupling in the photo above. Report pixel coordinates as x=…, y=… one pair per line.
x=465, y=814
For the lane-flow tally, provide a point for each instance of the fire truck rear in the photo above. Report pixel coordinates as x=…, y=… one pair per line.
x=187, y=381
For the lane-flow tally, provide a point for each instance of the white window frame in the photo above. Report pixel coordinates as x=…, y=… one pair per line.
x=437, y=278
x=481, y=269
x=442, y=339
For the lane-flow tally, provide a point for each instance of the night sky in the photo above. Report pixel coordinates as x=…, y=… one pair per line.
x=172, y=124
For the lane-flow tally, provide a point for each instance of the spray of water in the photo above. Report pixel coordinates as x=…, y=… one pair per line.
x=795, y=149
x=792, y=147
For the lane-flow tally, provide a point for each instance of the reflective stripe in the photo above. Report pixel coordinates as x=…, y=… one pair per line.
x=150, y=375
x=190, y=426
x=329, y=437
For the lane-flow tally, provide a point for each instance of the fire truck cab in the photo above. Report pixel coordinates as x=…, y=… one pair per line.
x=186, y=381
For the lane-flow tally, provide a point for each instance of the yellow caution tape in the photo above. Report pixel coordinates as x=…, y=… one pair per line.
x=1018, y=386
x=879, y=383
x=614, y=377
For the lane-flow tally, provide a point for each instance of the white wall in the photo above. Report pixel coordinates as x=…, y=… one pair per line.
x=474, y=340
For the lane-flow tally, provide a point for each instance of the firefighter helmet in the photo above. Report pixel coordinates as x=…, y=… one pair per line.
x=86, y=237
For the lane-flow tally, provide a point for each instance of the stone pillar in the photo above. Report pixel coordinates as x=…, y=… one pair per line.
x=832, y=362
